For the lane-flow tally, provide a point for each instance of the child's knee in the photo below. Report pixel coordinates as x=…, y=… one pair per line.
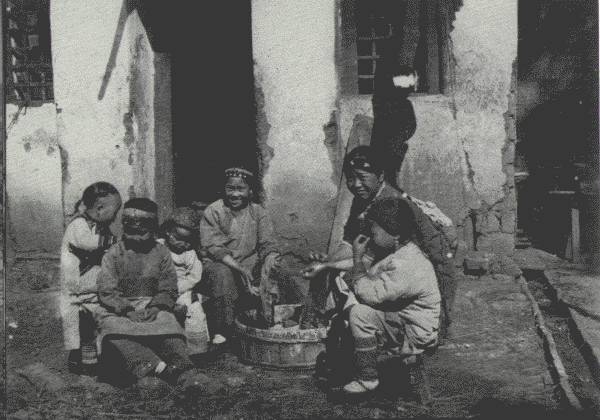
x=221, y=278
x=360, y=314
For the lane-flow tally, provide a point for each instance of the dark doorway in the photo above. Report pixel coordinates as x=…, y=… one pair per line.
x=557, y=150
x=213, y=96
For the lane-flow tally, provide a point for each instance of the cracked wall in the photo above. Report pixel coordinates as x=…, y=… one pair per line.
x=485, y=110
x=105, y=93
x=461, y=156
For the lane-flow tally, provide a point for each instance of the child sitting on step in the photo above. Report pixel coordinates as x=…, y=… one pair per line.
x=85, y=241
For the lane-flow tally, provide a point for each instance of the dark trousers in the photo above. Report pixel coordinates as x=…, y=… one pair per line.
x=227, y=297
x=142, y=354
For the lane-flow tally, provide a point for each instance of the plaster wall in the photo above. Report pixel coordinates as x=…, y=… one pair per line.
x=104, y=94
x=33, y=179
x=461, y=156
x=294, y=53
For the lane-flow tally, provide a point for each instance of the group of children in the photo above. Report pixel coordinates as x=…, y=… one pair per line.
x=142, y=296
x=145, y=293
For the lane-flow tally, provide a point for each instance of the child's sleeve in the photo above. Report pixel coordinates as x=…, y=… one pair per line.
x=167, y=284
x=81, y=236
x=212, y=237
x=109, y=293
x=75, y=280
x=266, y=235
x=385, y=285
x=193, y=275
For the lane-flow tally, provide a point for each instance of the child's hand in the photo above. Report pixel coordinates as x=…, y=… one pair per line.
x=150, y=314
x=253, y=290
x=313, y=270
x=273, y=260
x=317, y=256
x=248, y=279
x=137, y=315
x=359, y=246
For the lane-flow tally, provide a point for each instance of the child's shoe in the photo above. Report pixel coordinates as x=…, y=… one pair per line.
x=218, y=339
x=360, y=386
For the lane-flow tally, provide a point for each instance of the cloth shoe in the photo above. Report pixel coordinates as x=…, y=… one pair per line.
x=218, y=339
x=360, y=386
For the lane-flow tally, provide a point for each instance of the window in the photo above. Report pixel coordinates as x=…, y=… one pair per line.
x=412, y=32
x=28, y=60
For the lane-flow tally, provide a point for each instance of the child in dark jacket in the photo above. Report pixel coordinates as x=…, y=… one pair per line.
x=137, y=288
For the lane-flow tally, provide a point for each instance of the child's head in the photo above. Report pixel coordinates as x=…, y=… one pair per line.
x=238, y=188
x=140, y=220
x=392, y=222
x=364, y=172
x=102, y=202
x=180, y=230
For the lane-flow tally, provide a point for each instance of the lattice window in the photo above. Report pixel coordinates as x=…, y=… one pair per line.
x=414, y=32
x=28, y=58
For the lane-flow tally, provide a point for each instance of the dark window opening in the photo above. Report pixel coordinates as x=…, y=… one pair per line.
x=412, y=32
x=28, y=76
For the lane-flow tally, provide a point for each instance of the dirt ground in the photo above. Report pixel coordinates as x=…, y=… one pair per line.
x=493, y=367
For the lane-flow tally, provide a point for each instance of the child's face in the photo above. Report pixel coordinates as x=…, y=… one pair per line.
x=382, y=238
x=363, y=184
x=105, y=209
x=179, y=240
x=237, y=193
x=138, y=225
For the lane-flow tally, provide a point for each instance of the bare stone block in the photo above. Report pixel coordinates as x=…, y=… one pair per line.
x=461, y=253
x=478, y=261
x=493, y=224
x=509, y=221
x=497, y=243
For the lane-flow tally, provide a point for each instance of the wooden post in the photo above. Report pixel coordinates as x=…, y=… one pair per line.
x=445, y=25
x=347, y=61
x=411, y=33
x=3, y=213
x=575, y=236
x=433, y=58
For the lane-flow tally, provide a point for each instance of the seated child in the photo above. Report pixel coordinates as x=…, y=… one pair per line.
x=238, y=237
x=137, y=289
x=398, y=297
x=180, y=235
x=86, y=239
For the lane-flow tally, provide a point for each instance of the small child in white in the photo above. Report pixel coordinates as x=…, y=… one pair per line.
x=84, y=243
x=180, y=233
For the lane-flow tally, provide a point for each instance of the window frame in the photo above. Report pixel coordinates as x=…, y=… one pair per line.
x=28, y=67
x=347, y=53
